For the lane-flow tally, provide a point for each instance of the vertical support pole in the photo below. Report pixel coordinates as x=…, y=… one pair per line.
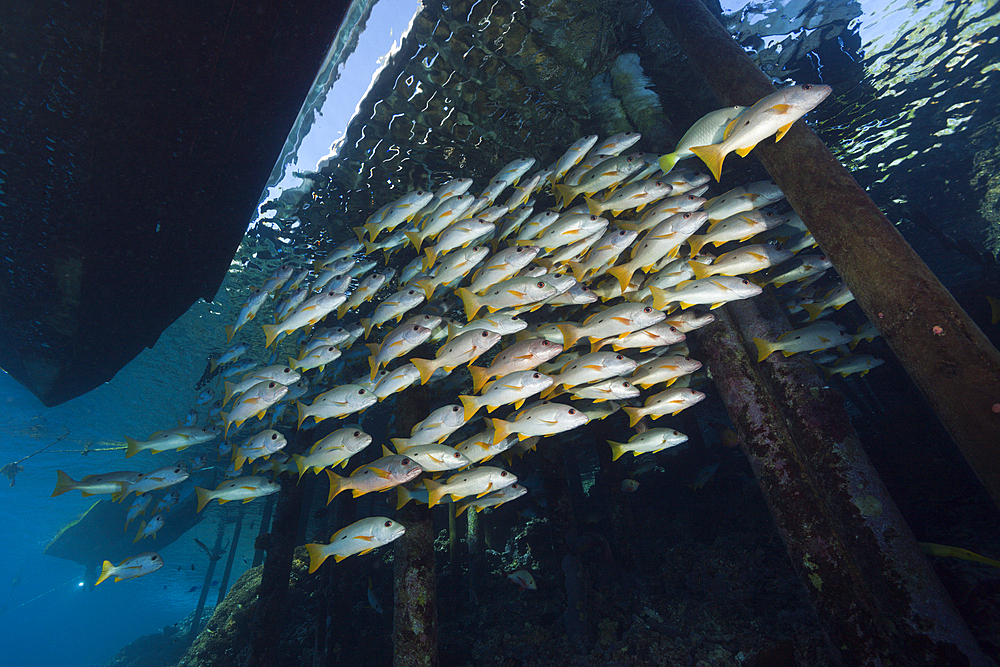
x=233, y=544
x=475, y=547
x=414, y=631
x=262, y=531
x=213, y=559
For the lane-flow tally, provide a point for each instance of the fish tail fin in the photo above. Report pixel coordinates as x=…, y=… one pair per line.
x=623, y=274
x=435, y=492
x=667, y=162
x=660, y=297
x=595, y=207
x=479, y=377
x=566, y=193
x=229, y=390
x=501, y=429
x=579, y=272
x=138, y=536
x=213, y=363
x=204, y=496
x=373, y=363
x=372, y=229
x=369, y=247
x=415, y=238
x=764, y=348
x=360, y=232
x=617, y=449
x=303, y=412
x=336, y=485
x=425, y=367
x=238, y=461
x=403, y=496
x=133, y=447
x=64, y=483
x=814, y=310
x=300, y=463
x=712, y=156
x=427, y=286
x=696, y=243
x=460, y=509
x=470, y=404
x=470, y=302
x=316, y=556
x=431, y=253
x=368, y=324
x=271, y=332
x=105, y=572
x=230, y=332
x=570, y=334
x=701, y=270
x=634, y=415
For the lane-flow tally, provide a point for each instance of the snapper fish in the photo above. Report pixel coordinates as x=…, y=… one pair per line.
x=463, y=348
x=130, y=568
x=316, y=358
x=772, y=114
x=748, y=259
x=150, y=529
x=277, y=373
x=521, y=356
x=356, y=539
x=473, y=482
x=652, y=440
x=855, y=363
x=713, y=292
x=540, y=420
x=396, y=343
x=259, y=446
x=671, y=401
x=743, y=198
x=138, y=506
x=309, y=313
x=175, y=438
x=709, y=129
x=247, y=312
x=336, y=448
x=245, y=489
x=811, y=338
x=254, y=401
x=167, y=502
x=365, y=292
x=394, y=306
x=618, y=320
x=573, y=155
x=396, y=213
x=436, y=457
x=230, y=355
x=614, y=389
x=379, y=475
x=153, y=480
x=494, y=499
x=514, y=388
x=340, y=401
x=502, y=266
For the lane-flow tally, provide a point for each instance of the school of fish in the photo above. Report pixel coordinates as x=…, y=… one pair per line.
x=555, y=315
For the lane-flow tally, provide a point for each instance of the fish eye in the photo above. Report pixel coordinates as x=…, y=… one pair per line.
x=405, y=462
x=746, y=282
x=503, y=474
x=274, y=436
x=388, y=524
x=271, y=385
x=177, y=470
x=545, y=343
x=458, y=454
x=153, y=557
x=286, y=369
x=361, y=392
x=647, y=309
x=676, y=433
x=572, y=411
x=673, y=329
x=486, y=334
x=629, y=159
x=357, y=433
x=687, y=215
x=807, y=86
x=455, y=408
x=540, y=284
x=593, y=217
x=618, y=357
x=415, y=327
x=475, y=248
x=536, y=375
x=626, y=385
x=520, y=248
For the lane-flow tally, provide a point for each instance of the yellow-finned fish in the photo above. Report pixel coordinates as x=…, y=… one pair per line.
x=739, y=227
x=149, y=529
x=316, y=358
x=636, y=195
x=709, y=129
x=365, y=292
x=396, y=343
x=715, y=291
x=130, y=568
x=453, y=268
x=653, y=440
x=153, y=480
x=548, y=418
x=435, y=457
x=447, y=212
x=603, y=254
x=615, y=321
x=463, y=348
x=473, y=482
x=241, y=488
x=513, y=293
x=668, y=402
x=743, y=198
x=358, y=538
x=254, y=401
x=91, y=485
x=573, y=155
x=435, y=428
x=521, y=356
x=259, y=446
x=614, y=389
x=743, y=260
x=502, y=266
x=340, y=401
x=459, y=235
x=855, y=363
x=493, y=499
x=393, y=306
x=173, y=438
x=663, y=240
x=379, y=475
x=772, y=114
x=247, y=312
x=589, y=368
x=309, y=313
x=396, y=381
x=812, y=338
x=514, y=388
x=402, y=210
x=664, y=369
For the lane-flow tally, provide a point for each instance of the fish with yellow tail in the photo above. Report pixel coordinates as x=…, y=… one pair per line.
x=772, y=114
x=309, y=313
x=230, y=355
x=607, y=174
x=366, y=291
x=709, y=129
x=653, y=440
x=520, y=292
x=663, y=240
x=932, y=549
x=379, y=475
x=175, y=438
x=502, y=266
x=91, y=485
x=356, y=539
x=463, y=348
x=453, y=268
x=149, y=529
x=435, y=428
x=664, y=369
x=153, y=480
x=514, y=388
x=748, y=259
x=254, y=401
x=743, y=198
x=637, y=195
x=658, y=335
x=336, y=448
x=394, y=307
x=393, y=215
x=446, y=213
x=436, y=457
x=739, y=227
x=260, y=446
x=338, y=402
x=855, y=363
x=247, y=312
x=278, y=373
x=493, y=499
x=836, y=298
x=472, y=482
x=812, y=338
x=589, y=368
x=618, y=320
x=712, y=292
x=316, y=358
x=668, y=402
x=458, y=235
x=548, y=418
x=614, y=389
x=241, y=488
x=130, y=568
x=395, y=344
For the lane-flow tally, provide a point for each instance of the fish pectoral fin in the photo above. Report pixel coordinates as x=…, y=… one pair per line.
x=488, y=489
x=782, y=108
x=384, y=474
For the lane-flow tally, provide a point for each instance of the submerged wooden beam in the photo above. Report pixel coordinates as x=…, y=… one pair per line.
x=944, y=352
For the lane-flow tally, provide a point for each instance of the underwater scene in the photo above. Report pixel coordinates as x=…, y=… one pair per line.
x=606, y=332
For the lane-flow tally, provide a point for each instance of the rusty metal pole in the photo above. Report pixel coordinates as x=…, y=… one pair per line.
x=898, y=580
x=947, y=356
